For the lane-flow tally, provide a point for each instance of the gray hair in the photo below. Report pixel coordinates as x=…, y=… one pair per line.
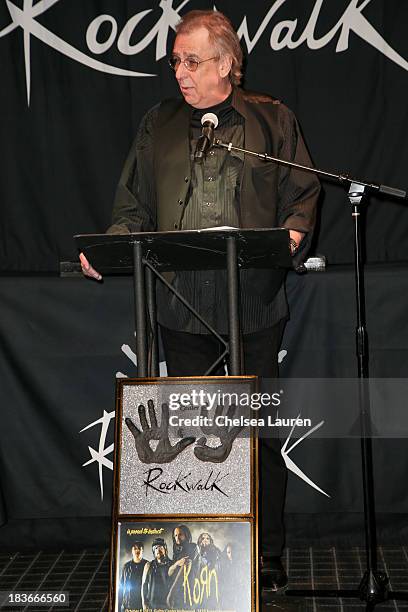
x=221, y=35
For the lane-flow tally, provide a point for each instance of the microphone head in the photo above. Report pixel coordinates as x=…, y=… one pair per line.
x=210, y=118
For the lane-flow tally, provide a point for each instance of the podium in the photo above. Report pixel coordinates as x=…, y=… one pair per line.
x=150, y=254
x=212, y=454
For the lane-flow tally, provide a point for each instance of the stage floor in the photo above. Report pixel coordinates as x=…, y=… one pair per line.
x=84, y=575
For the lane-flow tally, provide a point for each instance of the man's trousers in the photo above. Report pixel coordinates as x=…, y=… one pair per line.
x=191, y=355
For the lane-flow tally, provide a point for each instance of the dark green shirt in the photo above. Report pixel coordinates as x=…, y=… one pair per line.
x=214, y=201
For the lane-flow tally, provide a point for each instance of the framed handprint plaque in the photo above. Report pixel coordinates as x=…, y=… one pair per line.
x=185, y=461
x=185, y=447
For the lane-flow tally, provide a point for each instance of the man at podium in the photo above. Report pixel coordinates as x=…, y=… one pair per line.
x=171, y=182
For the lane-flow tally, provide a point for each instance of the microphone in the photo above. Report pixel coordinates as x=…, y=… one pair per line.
x=209, y=121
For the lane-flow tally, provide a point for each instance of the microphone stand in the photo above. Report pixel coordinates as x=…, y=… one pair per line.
x=373, y=587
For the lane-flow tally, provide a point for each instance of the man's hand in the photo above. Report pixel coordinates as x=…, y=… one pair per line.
x=165, y=452
x=295, y=240
x=227, y=435
x=183, y=561
x=180, y=563
x=87, y=269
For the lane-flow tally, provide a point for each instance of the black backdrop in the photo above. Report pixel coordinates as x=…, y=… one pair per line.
x=64, y=341
x=62, y=154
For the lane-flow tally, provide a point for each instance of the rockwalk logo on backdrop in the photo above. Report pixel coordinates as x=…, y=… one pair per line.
x=283, y=34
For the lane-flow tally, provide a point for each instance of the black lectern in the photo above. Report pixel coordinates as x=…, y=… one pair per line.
x=210, y=249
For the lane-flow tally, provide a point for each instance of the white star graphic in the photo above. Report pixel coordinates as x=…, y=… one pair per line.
x=291, y=465
x=100, y=456
x=25, y=18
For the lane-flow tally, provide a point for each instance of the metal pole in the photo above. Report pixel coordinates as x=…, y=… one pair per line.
x=152, y=313
x=233, y=307
x=373, y=584
x=140, y=310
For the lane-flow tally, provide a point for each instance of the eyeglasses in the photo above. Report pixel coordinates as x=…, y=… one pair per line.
x=190, y=64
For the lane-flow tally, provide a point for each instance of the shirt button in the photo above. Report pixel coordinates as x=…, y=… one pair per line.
x=186, y=179
x=209, y=203
x=180, y=202
x=210, y=178
x=175, y=226
x=212, y=153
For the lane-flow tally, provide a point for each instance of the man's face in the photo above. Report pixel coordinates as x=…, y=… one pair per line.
x=137, y=553
x=229, y=553
x=159, y=553
x=179, y=536
x=209, y=84
x=205, y=540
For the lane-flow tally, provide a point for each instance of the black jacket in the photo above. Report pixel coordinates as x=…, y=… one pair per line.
x=156, y=177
